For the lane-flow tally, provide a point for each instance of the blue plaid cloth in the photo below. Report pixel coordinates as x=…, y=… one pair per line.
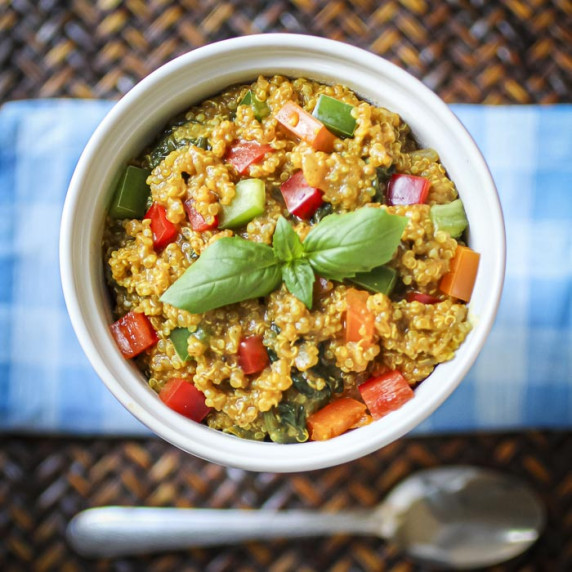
x=523, y=378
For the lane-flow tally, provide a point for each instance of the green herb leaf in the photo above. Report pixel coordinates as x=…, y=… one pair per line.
x=299, y=279
x=286, y=243
x=340, y=246
x=230, y=270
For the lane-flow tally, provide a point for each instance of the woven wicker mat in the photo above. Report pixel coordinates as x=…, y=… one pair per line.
x=510, y=51
x=474, y=51
x=46, y=481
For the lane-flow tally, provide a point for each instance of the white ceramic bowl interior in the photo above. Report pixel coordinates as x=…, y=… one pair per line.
x=134, y=121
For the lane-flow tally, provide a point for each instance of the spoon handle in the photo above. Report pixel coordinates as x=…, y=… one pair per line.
x=122, y=531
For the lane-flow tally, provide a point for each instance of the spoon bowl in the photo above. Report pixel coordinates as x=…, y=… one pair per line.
x=461, y=517
x=454, y=517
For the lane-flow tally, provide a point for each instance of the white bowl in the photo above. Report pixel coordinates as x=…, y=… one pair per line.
x=136, y=118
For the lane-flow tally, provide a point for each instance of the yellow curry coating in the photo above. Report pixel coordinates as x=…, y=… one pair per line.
x=409, y=336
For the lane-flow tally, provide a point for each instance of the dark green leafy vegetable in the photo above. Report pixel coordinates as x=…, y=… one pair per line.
x=170, y=143
x=303, y=399
x=286, y=423
x=252, y=435
x=300, y=383
x=314, y=398
x=328, y=371
x=273, y=356
x=202, y=143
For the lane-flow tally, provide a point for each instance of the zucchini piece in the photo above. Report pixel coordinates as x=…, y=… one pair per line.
x=450, y=218
x=248, y=202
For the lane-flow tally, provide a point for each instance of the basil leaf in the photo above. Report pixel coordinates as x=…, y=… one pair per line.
x=299, y=279
x=340, y=246
x=286, y=243
x=230, y=270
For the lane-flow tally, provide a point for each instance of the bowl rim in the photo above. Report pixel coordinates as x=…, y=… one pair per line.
x=195, y=438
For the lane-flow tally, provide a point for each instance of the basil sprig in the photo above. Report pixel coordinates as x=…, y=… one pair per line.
x=234, y=269
x=297, y=272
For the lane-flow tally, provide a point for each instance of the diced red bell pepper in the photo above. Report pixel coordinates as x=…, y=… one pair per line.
x=423, y=298
x=336, y=418
x=359, y=320
x=407, y=189
x=252, y=355
x=301, y=199
x=385, y=393
x=242, y=154
x=133, y=334
x=184, y=398
x=197, y=220
x=164, y=231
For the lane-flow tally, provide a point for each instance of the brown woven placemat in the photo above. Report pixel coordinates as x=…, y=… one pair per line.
x=46, y=481
x=473, y=51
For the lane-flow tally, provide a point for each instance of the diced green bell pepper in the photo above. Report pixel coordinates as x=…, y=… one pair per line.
x=248, y=202
x=335, y=115
x=131, y=194
x=450, y=217
x=260, y=108
x=381, y=279
x=180, y=339
x=202, y=143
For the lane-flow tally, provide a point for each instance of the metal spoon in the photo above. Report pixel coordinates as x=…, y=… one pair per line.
x=455, y=517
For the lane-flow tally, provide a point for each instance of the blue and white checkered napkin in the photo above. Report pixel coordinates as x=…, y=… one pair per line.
x=523, y=377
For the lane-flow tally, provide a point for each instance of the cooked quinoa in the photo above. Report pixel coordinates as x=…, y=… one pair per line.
x=310, y=361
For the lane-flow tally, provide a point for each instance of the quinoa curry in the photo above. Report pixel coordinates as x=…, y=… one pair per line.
x=286, y=263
